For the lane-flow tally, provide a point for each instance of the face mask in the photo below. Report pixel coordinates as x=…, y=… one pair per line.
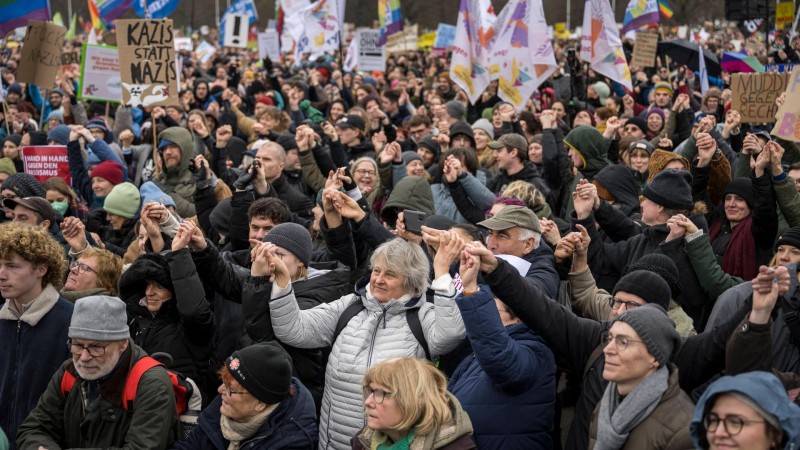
x=60, y=207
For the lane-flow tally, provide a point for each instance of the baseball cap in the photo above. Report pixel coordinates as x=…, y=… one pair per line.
x=511, y=140
x=513, y=216
x=36, y=204
x=351, y=121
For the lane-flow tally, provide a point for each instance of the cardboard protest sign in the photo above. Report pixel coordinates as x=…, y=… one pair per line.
x=41, y=54
x=70, y=58
x=46, y=161
x=787, y=125
x=754, y=94
x=100, y=78
x=147, y=66
x=371, y=56
x=645, y=49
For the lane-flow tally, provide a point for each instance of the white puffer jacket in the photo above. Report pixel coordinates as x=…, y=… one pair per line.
x=378, y=333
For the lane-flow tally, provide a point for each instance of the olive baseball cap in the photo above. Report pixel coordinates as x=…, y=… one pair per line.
x=511, y=140
x=513, y=216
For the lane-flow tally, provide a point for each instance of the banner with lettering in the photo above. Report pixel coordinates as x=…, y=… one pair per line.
x=148, y=67
x=46, y=161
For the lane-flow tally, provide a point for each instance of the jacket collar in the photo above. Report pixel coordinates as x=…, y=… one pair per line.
x=40, y=306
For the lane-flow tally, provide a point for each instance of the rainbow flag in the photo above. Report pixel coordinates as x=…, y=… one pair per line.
x=97, y=21
x=17, y=13
x=111, y=10
x=665, y=9
x=390, y=18
x=640, y=13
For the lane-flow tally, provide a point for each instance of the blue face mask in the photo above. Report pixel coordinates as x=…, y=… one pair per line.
x=60, y=207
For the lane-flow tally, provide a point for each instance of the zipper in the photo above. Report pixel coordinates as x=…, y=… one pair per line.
x=374, y=333
x=15, y=402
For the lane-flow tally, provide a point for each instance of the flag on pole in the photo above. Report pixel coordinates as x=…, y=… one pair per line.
x=322, y=27
x=293, y=17
x=390, y=18
x=665, y=9
x=17, y=13
x=351, y=60
x=246, y=7
x=601, y=46
x=703, y=71
x=469, y=67
x=111, y=10
x=640, y=13
x=525, y=51
x=94, y=13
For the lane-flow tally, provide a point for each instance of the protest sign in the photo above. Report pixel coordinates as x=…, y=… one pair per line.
x=784, y=14
x=236, y=31
x=183, y=44
x=403, y=41
x=46, y=161
x=371, y=56
x=425, y=41
x=268, y=45
x=787, y=125
x=754, y=94
x=445, y=37
x=644, y=51
x=204, y=52
x=147, y=62
x=100, y=78
x=41, y=53
x=778, y=68
x=68, y=58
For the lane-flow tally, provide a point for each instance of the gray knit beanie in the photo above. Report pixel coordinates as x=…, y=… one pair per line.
x=486, y=126
x=455, y=109
x=647, y=285
x=292, y=237
x=655, y=329
x=99, y=318
x=671, y=189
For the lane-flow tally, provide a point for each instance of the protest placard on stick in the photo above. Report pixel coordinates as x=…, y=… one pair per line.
x=787, y=120
x=645, y=49
x=148, y=68
x=754, y=94
x=100, y=78
x=41, y=53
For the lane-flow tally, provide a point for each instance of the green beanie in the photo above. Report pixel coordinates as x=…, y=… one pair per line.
x=7, y=166
x=123, y=201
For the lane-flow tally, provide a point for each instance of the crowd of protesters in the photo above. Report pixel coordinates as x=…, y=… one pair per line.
x=295, y=257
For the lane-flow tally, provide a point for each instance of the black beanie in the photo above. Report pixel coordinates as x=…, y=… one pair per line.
x=287, y=141
x=431, y=145
x=662, y=266
x=294, y=238
x=24, y=185
x=264, y=369
x=638, y=123
x=790, y=237
x=646, y=285
x=671, y=189
x=742, y=187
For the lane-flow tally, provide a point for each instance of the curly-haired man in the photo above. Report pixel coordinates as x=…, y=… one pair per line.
x=33, y=321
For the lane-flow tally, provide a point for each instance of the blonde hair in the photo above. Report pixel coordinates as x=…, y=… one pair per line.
x=37, y=246
x=109, y=267
x=419, y=389
x=533, y=198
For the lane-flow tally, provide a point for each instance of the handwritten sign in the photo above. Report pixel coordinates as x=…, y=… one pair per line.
x=754, y=94
x=645, y=49
x=46, y=161
x=787, y=125
x=403, y=41
x=41, y=53
x=268, y=45
x=100, y=78
x=784, y=14
x=148, y=68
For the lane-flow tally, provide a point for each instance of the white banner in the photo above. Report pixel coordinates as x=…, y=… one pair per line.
x=100, y=78
x=371, y=56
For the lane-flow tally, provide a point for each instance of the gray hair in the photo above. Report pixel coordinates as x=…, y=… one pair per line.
x=406, y=259
x=525, y=234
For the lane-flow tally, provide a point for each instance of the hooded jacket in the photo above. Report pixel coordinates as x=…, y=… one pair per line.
x=410, y=193
x=592, y=147
x=764, y=389
x=293, y=425
x=529, y=173
x=377, y=333
x=178, y=181
x=620, y=182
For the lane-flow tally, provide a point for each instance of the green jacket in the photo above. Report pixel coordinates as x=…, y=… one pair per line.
x=410, y=193
x=58, y=422
x=178, y=181
x=709, y=273
x=788, y=200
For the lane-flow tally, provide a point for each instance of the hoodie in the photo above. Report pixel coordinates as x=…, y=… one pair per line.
x=619, y=181
x=592, y=147
x=410, y=193
x=178, y=181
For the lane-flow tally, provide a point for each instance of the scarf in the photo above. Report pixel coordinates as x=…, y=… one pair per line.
x=74, y=296
x=740, y=253
x=236, y=432
x=616, y=419
x=381, y=442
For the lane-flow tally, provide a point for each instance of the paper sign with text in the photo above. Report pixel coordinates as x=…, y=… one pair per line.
x=41, y=53
x=645, y=49
x=268, y=45
x=787, y=124
x=100, y=74
x=147, y=63
x=371, y=56
x=754, y=94
x=46, y=161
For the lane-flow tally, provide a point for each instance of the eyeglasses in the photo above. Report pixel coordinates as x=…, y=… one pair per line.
x=377, y=394
x=230, y=392
x=617, y=303
x=621, y=342
x=363, y=172
x=733, y=424
x=94, y=349
x=82, y=268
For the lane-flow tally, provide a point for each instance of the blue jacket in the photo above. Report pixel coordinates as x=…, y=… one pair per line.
x=293, y=425
x=508, y=385
x=542, y=272
x=764, y=389
x=29, y=356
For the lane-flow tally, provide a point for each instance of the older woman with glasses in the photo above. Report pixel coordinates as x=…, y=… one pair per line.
x=407, y=406
x=95, y=272
x=749, y=411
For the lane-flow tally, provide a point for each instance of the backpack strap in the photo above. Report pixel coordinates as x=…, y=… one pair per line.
x=412, y=317
x=132, y=382
x=67, y=382
x=347, y=315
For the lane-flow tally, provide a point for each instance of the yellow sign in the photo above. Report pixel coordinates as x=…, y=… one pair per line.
x=425, y=41
x=560, y=30
x=784, y=14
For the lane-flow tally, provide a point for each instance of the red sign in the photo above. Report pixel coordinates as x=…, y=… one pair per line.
x=46, y=161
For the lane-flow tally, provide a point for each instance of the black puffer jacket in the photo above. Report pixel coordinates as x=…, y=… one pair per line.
x=528, y=173
x=184, y=325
